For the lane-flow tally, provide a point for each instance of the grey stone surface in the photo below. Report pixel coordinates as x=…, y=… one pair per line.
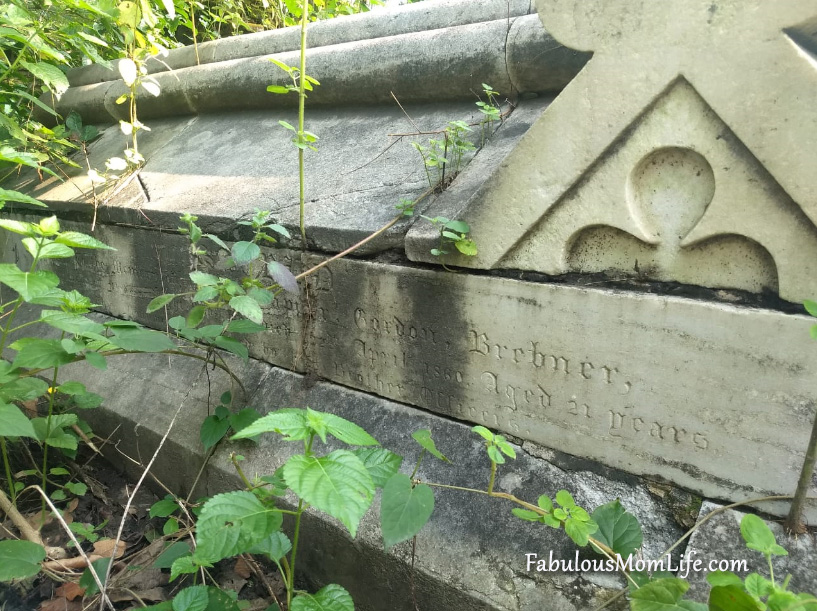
x=719, y=540
x=223, y=167
x=380, y=23
x=472, y=553
x=718, y=399
x=652, y=162
x=448, y=63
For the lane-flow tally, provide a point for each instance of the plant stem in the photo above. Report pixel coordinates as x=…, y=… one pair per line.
x=52, y=392
x=240, y=471
x=794, y=521
x=417, y=466
x=6, y=464
x=301, y=100
x=492, y=479
x=296, y=534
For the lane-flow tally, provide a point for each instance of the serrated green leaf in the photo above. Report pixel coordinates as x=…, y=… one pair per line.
x=244, y=418
x=275, y=547
x=52, y=76
x=20, y=559
x=247, y=307
x=723, y=578
x=193, y=598
x=163, y=508
x=380, y=463
x=14, y=423
x=42, y=353
x=289, y=422
x=76, y=324
x=404, y=509
x=756, y=585
x=245, y=252
x=495, y=455
x=564, y=498
x=579, y=530
x=141, y=340
x=811, y=306
x=28, y=284
x=7, y=195
x=231, y=523
x=758, y=536
x=330, y=598
x=76, y=239
x=337, y=484
x=346, y=431
x=96, y=360
x=183, y=565
x=423, y=437
x=618, y=530
x=202, y=279
x=544, y=502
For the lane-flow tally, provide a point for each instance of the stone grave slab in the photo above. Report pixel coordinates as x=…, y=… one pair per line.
x=681, y=152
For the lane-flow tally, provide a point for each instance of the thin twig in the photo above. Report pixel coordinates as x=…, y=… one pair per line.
x=118, y=537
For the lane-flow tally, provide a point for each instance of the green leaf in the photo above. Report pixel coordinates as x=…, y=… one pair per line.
x=329, y=598
x=20, y=559
x=423, y=437
x=245, y=326
x=141, y=340
x=244, y=418
x=172, y=552
x=232, y=345
x=163, y=508
x=564, y=499
x=23, y=389
x=213, y=430
x=194, y=598
x=247, y=307
x=757, y=585
x=811, y=306
x=759, y=537
x=618, y=529
x=337, y=484
x=661, y=595
x=544, y=502
x=731, y=598
x=495, y=455
x=96, y=360
x=289, y=422
x=504, y=446
x=76, y=324
x=277, y=89
x=458, y=226
x=404, y=509
x=579, y=530
x=170, y=527
x=205, y=293
x=13, y=422
x=244, y=252
x=28, y=284
x=202, y=279
x=57, y=436
x=231, y=523
x=42, y=353
x=285, y=278
x=15, y=196
x=18, y=227
x=183, y=565
x=52, y=76
x=196, y=314
x=724, y=578
x=217, y=240
x=380, y=463
x=275, y=547
x=526, y=514
x=483, y=432
x=347, y=432
x=159, y=302
x=51, y=250
x=76, y=239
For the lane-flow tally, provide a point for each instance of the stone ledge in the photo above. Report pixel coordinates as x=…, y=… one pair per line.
x=380, y=23
x=513, y=54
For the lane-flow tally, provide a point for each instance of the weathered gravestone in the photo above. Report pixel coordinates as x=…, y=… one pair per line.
x=666, y=159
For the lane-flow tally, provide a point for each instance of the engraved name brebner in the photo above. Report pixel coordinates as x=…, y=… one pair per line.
x=549, y=394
